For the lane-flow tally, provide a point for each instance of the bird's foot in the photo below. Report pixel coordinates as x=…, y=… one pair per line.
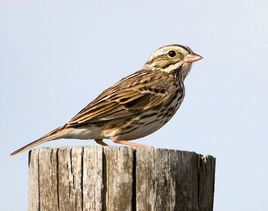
x=99, y=141
x=131, y=143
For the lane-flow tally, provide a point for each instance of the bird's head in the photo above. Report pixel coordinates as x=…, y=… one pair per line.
x=173, y=59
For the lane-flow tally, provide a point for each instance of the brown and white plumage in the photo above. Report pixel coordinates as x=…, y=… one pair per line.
x=136, y=106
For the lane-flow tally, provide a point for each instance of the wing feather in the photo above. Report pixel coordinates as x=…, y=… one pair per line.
x=125, y=98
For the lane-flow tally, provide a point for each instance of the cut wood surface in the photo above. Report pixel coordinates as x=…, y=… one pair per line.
x=119, y=178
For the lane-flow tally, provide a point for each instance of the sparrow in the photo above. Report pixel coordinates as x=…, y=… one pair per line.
x=134, y=107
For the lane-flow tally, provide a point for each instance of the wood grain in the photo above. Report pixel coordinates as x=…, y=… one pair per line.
x=119, y=178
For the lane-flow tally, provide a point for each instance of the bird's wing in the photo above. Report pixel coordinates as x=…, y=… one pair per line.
x=134, y=94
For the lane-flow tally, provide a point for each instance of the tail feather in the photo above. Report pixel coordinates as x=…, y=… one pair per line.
x=58, y=133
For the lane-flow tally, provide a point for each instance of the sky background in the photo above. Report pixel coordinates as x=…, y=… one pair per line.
x=57, y=56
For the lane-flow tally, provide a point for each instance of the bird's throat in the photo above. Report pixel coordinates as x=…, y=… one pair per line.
x=177, y=72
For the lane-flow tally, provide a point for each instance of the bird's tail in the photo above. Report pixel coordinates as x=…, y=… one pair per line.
x=58, y=133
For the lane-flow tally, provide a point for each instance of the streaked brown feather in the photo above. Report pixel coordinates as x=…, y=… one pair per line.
x=126, y=98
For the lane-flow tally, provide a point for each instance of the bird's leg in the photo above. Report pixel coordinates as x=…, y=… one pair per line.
x=99, y=141
x=130, y=143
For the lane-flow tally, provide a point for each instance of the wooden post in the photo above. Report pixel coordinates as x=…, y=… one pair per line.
x=119, y=178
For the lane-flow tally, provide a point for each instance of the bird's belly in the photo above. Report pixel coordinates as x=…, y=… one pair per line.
x=139, y=131
x=153, y=121
x=141, y=128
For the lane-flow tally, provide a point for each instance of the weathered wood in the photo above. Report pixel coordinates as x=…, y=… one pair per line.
x=93, y=178
x=119, y=178
x=174, y=180
x=33, y=181
x=70, y=179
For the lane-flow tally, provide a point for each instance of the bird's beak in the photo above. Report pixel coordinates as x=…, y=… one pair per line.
x=192, y=57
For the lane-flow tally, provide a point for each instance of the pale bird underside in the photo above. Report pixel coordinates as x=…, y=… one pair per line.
x=136, y=106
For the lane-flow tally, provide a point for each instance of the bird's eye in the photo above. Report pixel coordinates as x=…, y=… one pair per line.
x=172, y=53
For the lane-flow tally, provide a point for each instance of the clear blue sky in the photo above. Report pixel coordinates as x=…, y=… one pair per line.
x=57, y=56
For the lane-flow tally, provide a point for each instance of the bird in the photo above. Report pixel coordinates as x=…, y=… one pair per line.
x=135, y=106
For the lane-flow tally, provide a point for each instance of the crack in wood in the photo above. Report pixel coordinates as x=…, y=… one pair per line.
x=104, y=180
x=134, y=181
x=57, y=173
x=82, y=177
